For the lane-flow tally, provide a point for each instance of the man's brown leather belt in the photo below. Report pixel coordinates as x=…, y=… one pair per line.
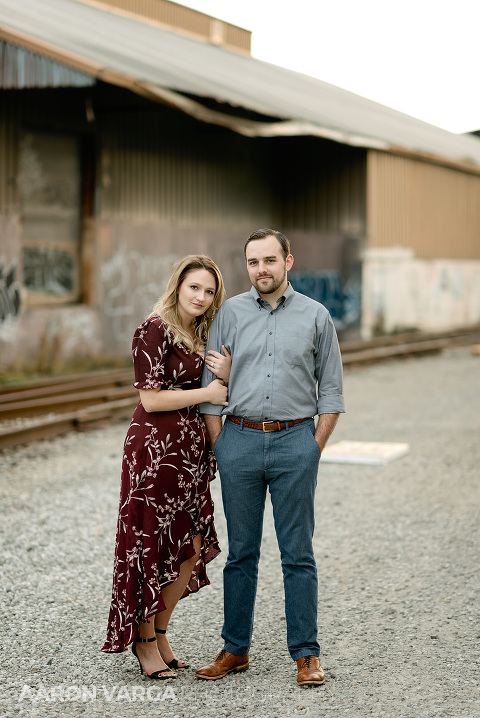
x=266, y=425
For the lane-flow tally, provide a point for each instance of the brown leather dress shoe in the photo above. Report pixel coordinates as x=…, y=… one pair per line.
x=224, y=663
x=310, y=672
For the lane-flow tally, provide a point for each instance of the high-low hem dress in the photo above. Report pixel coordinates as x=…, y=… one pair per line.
x=165, y=496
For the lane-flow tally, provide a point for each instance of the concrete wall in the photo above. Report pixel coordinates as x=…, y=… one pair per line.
x=39, y=338
x=130, y=267
x=402, y=292
x=126, y=266
x=135, y=262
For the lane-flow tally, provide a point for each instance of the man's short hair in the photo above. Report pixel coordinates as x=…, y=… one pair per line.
x=262, y=233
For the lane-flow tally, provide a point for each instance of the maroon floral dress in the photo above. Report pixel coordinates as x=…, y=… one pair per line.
x=165, y=494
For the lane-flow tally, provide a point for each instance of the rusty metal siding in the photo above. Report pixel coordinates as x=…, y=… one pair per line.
x=431, y=209
x=167, y=169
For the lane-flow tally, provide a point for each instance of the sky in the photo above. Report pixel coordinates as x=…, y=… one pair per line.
x=419, y=57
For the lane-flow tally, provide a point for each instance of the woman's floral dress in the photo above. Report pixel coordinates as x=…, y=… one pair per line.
x=165, y=494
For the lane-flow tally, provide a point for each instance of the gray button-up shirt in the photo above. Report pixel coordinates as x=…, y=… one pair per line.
x=286, y=361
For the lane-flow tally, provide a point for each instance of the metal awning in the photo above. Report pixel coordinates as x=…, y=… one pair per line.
x=140, y=55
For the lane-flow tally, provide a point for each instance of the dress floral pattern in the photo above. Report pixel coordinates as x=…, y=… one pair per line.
x=165, y=489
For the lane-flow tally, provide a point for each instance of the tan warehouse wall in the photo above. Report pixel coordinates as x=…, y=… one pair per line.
x=186, y=21
x=431, y=209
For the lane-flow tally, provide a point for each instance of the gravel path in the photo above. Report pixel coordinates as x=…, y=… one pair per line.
x=398, y=558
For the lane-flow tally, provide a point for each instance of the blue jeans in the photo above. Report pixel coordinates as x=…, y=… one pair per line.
x=286, y=462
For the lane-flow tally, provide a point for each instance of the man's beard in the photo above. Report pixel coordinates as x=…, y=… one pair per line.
x=269, y=288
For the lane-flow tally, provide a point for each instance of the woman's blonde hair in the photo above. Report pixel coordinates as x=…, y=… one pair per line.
x=167, y=306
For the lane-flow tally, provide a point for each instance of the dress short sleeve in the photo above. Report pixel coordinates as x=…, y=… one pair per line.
x=151, y=346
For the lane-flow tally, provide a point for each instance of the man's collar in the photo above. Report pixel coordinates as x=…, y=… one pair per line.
x=284, y=299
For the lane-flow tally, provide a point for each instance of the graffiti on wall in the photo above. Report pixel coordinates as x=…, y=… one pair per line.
x=132, y=282
x=326, y=286
x=403, y=293
x=10, y=301
x=48, y=270
x=9, y=292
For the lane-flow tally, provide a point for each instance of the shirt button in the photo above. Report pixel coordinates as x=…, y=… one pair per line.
x=267, y=397
x=270, y=354
x=268, y=376
x=270, y=333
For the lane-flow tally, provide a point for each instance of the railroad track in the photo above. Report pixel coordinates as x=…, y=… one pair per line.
x=47, y=408
x=44, y=409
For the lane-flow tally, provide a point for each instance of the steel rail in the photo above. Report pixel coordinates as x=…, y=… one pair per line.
x=55, y=385
x=65, y=402
x=48, y=408
x=46, y=427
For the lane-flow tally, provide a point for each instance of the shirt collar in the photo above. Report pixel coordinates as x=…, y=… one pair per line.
x=285, y=299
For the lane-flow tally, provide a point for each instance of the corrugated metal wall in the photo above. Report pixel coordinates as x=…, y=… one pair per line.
x=20, y=68
x=191, y=21
x=9, y=138
x=322, y=186
x=159, y=166
x=236, y=38
x=432, y=209
x=165, y=168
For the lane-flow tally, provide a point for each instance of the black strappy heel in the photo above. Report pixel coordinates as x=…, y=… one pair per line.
x=155, y=674
x=173, y=663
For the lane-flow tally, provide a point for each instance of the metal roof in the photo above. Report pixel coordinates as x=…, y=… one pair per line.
x=122, y=49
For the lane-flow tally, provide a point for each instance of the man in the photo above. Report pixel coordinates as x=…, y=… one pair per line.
x=286, y=367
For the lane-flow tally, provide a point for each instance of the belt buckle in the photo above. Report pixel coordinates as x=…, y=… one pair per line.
x=270, y=426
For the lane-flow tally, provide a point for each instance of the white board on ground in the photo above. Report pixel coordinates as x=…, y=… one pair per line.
x=363, y=452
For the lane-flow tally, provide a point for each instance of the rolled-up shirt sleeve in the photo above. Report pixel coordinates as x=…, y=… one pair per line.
x=214, y=342
x=328, y=369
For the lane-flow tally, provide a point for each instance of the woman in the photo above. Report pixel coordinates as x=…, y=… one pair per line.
x=165, y=532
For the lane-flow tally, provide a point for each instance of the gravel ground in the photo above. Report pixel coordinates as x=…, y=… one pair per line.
x=398, y=558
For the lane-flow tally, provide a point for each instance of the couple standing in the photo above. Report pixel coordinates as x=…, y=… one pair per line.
x=279, y=354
